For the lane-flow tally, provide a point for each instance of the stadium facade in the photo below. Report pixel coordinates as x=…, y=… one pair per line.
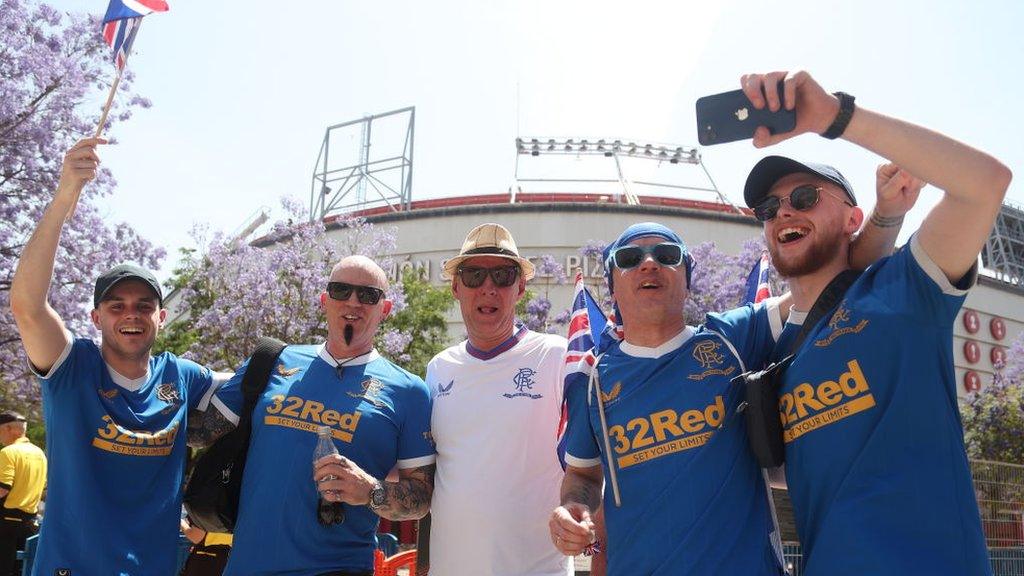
x=559, y=224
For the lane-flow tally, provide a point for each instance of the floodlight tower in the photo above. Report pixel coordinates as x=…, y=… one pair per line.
x=616, y=150
x=1004, y=249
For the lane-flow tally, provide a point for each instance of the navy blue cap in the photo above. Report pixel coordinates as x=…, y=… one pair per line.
x=111, y=277
x=771, y=169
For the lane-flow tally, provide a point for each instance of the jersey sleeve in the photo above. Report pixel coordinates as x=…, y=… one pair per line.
x=581, y=447
x=6, y=470
x=198, y=383
x=415, y=447
x=64, y=365
x=227, y=397
x=910, y=282
x=750, y=330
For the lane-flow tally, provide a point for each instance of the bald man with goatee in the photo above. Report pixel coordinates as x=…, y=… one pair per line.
x=378, y=416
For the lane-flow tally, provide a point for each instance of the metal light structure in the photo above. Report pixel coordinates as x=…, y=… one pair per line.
x=616, y=150
x=371, y=180
x=1004, y=250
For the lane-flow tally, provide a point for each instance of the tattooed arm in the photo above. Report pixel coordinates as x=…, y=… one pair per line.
x=409, y=498
x=341, y=480
x=570, y=525
x=205, y=427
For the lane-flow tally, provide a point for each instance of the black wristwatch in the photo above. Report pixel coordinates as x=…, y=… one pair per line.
x=842, y=118
x=378, y=496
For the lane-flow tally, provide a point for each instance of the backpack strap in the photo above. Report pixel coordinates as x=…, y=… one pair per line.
x=257, y=374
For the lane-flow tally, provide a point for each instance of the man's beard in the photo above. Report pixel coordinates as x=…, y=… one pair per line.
x=820, y=254
x=348, y=333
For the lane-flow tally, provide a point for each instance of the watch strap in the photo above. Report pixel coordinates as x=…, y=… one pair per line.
x=843, y=118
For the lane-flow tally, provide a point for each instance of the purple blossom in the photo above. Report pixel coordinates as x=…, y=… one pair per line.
x=54, y=68
x=993, y=417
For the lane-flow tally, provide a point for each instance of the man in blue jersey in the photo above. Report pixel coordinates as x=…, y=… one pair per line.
x=875, y=459
x=688, y=484
x=692, y=498
x=379, y=418
x=114, y=414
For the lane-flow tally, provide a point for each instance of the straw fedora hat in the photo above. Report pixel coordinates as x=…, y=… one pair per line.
x=488, y=240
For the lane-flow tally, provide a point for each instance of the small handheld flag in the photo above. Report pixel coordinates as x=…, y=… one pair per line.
x=757, y=283
x=121, y=24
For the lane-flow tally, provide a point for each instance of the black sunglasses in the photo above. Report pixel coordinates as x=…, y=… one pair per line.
x=802, y=198
x=502, y=276
x=342, y=291
x=666, y=254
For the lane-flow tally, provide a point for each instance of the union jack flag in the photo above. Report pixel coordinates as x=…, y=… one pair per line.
x=757, y=283
x=121, y=23
x=584, y=340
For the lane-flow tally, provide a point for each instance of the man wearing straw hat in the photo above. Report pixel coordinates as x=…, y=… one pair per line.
x=497, y=405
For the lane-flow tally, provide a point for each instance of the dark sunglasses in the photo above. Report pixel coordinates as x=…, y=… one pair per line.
x=502, y=276
x=666, y=254
x=802, y=198
x=342, y=291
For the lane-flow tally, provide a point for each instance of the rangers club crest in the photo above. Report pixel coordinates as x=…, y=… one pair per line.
x=168, y=393
x=372, y=389
x=708, y=354
x=523, y=381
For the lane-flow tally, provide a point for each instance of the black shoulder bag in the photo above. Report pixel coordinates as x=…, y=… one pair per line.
x=761, y=388
x=213, y=489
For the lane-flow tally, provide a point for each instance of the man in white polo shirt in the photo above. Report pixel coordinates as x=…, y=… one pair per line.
x=497, y=404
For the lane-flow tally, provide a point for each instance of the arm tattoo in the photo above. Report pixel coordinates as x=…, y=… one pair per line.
x=582, y=490
x=886, y=221
x=409, y=498
x=204, y=428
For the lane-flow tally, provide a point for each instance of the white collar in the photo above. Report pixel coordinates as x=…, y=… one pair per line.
x=365, y=358
x=671, y=344
x=132, y=384
x=796, y=317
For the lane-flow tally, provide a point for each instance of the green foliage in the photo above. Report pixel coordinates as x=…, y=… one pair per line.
x=423, y=319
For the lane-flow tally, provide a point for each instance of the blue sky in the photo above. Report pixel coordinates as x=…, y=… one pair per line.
x=243, y=91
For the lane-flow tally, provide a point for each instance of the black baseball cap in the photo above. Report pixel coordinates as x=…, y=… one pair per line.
x=771, y=169
x=8, y=417
x=111, y=277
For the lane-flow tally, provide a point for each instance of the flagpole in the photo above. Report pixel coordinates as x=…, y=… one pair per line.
x=612, y=476
x=110, y=101
x=106, y=107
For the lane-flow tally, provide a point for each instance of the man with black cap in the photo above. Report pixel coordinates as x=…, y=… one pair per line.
x=114, y=414
x=875, y=460
x=497, y=406
x=22, y=480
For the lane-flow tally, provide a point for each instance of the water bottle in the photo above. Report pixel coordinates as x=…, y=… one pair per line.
x=327, y=513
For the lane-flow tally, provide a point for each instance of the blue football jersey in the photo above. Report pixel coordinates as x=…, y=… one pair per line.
x=875, y=458
x=379, y=416
x=694, y=500
x=117, y=457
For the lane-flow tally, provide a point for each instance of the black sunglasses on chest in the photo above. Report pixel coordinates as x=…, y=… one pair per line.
x=342, y=291
x=802, y=198
x=502, y=276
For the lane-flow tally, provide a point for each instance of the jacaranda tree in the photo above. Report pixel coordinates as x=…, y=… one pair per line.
x=54, y=68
